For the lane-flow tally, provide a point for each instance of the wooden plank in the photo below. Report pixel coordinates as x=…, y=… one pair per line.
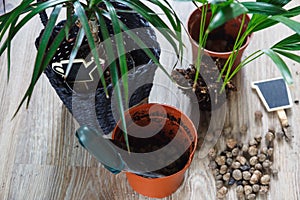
x=40, y=157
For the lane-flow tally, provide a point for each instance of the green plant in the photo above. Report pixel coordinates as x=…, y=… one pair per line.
x=89, y=15
x=221, y=12
x=266, y=13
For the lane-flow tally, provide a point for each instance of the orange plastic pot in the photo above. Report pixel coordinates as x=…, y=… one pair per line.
x=230, y=28
x=176, y=121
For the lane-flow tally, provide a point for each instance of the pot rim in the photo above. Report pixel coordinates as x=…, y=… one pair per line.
x=194, y=133
x=224, y=54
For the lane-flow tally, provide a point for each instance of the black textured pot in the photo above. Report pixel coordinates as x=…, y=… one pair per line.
x=101, y=111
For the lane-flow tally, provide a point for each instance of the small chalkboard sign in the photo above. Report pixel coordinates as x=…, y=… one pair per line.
x=275, y=95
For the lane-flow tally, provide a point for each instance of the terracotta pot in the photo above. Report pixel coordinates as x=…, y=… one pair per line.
x=213, y=48
x=175, y=122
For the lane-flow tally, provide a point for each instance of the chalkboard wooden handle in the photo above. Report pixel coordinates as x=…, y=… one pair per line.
x=283, y=118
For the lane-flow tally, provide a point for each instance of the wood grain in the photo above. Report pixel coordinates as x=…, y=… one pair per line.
x=41, y=159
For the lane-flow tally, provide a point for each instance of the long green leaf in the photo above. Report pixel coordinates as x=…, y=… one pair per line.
x=9, y=47
x=288, y=55
x=13, y=15
x=291, y=43
x=69, y=15
x=167, y=11
x=281, y=65
x=123, y=66
x=120, y=49
x=269, y=22
x=142, y=45
x=289, y=47
x=153, y=19
x=39, y=7
x=85, y=24
x=113, y=68
x=293, y=12
x=92, y=3
x=292, y=24
x=225, y=14
x=280, y=3
x=44, y=41
x=3, y=19
x=77, y=44
x=263, y=8
x=175, y=23
x=145, y=48
x=51, y=52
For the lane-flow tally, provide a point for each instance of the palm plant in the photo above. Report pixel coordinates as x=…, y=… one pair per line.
x=265, y=13
x=89, y=16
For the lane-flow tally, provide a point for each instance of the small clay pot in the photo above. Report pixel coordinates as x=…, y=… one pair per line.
x=175, y=124
x=219, y=39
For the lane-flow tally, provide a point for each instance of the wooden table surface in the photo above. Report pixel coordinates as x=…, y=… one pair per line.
x=41, y=159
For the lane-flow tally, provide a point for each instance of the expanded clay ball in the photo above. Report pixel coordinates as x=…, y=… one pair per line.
x=258, y=173
x=253, y=142
x=269, y=136
x=223, y=169
x=219, y=177
x=246, y=175
x=255, y=188
x=265, y=179
x=264, y=150
x=258, y=166
x=266, y=164
x=245, y=148
x=247, y=189
x=237, y=174
x=258, y=138
x=219, y=184
x=254, y=179
x=241, y=159
x=226, y=177
x=236, y=165
x=270, y=152
x=245, y=182
x=228, y=154
x=251, y=196
x=253, y=160
x=235, y=152
x=222, y=192
x=252, y=150
x=262, y=157
x=229, y=161
x=220, y=160
x=264, y=189
x=240, y=189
